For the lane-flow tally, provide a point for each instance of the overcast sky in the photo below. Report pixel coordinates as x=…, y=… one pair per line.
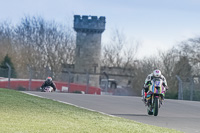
x=157, y=24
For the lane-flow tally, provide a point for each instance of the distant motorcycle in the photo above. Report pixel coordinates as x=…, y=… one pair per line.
x=47, y=89
x=155, y=96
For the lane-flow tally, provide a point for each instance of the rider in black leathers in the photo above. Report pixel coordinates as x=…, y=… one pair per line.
x=48, y=82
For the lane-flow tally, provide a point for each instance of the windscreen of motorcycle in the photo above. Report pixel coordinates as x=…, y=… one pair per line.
x=156, y=87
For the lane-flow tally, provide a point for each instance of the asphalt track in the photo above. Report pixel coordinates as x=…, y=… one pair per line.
x=180, y=115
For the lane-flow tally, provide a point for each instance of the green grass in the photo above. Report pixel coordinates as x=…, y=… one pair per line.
x=22, y=113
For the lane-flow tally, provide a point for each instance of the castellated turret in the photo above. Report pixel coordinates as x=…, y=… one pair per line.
x=88, y=48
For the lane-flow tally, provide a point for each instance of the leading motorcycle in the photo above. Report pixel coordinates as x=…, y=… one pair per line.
x=155, y=96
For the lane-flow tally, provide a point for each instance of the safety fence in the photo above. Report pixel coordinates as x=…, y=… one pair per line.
x=32, y=80
x=115, y=82
x=188, y=88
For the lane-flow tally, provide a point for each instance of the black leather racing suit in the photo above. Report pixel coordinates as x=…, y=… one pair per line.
x=45, y=84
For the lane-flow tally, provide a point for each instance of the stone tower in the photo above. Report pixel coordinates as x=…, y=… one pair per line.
x=88, y=48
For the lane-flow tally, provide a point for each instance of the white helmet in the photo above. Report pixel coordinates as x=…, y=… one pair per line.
x=157, y=73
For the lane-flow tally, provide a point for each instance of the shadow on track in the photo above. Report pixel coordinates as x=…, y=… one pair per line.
x=130, y=114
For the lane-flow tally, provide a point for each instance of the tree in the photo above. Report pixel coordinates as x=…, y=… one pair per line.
x=183, y=68
x=191, y=48
x=119, y=53
x=43, y=44
x=4, y=66
x=6, y=36
x=169, y=59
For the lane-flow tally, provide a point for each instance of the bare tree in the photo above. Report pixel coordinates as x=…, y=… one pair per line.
x=191, y=48
x=168, y=60
x=129, y=54
x=118, y=53
x=6, y=35
x=38, y=44
x=183, y=68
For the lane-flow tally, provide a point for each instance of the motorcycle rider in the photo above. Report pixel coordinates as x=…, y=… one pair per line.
x=48, y=82
x=156, y=74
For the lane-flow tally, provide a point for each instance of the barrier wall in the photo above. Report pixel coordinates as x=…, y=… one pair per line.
x=23, y=84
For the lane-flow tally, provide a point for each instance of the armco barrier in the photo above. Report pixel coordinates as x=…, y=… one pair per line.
x=20, y=84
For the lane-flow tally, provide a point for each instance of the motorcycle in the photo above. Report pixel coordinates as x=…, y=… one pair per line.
x=155, y=96
x=47, y=89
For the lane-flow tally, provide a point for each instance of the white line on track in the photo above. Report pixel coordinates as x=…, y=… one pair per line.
x=72, y=105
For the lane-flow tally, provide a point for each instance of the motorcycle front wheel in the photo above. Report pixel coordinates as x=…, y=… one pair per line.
x=156, y=105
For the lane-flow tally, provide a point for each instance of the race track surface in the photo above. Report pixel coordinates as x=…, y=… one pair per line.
x=181, y=115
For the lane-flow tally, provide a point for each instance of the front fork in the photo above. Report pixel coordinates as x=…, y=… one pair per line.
x=151, y=102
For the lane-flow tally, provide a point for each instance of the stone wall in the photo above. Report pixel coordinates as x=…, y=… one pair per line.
x=122, y=76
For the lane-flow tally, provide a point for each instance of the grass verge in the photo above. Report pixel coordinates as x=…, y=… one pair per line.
x=24, y=113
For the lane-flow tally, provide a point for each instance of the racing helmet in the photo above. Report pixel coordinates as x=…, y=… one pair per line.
x=48, y=80
x=157, y=73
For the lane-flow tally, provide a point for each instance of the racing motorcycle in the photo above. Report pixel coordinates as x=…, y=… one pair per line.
x=155, y=96
x=47, y=89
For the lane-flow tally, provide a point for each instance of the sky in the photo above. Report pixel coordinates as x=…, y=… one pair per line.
x=156, y=24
